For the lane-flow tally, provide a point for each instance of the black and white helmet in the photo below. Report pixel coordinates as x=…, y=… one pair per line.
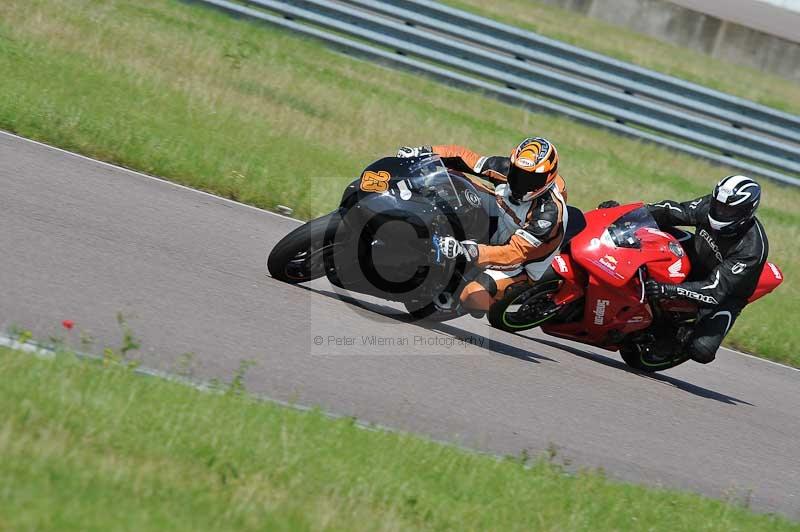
x=733, y=204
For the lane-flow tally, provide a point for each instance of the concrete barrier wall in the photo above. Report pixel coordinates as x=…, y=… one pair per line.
x=794, y=5
x=708, y=34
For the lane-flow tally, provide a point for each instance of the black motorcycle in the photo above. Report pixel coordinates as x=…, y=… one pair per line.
x=382, y=240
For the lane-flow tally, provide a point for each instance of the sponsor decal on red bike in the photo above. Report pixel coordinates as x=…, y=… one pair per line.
x=675, y=269
x=607, y=267
x=609, y=262
x=600, y=311
x=775, y=271
x=562, y=264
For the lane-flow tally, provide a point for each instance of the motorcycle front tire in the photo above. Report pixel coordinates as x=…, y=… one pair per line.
x=302, y=241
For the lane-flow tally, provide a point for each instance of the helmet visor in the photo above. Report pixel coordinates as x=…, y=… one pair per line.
x=725, y=213
x=522, y=182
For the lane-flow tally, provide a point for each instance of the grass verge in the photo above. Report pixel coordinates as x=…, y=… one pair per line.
x=88, y=447
x=627, y=45
x=261, y=116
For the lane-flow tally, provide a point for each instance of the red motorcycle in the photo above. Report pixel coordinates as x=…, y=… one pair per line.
x=594, y=291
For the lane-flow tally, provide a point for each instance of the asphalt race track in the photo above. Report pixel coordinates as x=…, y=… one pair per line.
x=83, y=240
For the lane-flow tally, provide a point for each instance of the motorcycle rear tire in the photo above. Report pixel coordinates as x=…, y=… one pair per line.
x=635, y=360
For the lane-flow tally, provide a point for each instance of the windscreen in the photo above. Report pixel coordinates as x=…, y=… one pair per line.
x=430, y=176
x=623, y=231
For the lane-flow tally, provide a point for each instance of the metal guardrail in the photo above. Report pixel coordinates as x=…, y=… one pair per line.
x=627, y=76
x=473, y=51
x=488, y=63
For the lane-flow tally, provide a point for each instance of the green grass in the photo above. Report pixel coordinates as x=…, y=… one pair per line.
x=603, y=37
x=88, y=447
x=259, y=115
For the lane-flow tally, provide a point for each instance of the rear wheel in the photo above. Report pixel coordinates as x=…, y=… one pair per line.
x=648, y=361
x=300, y=256
x=524, y=307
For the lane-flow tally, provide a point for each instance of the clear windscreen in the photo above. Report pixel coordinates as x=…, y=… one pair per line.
x=623, y=231
x=430, y=176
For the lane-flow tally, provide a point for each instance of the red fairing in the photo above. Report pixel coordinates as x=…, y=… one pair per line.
x=603, y=272
x=603, y=268
x=575, y=280
x=595, y=249
x=608, y=310
x=771, y=278
x=665, y=257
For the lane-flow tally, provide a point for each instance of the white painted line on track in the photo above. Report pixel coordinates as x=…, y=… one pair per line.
x=206, y=387
x=48, y=352
x=25, y=347
x=234, y=202
x=147, y=176
x=761, y=359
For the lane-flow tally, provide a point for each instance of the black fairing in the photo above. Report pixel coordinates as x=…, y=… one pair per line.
x=391, y=231
x=430, y=196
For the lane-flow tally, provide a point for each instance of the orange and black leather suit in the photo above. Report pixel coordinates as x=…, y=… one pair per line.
x=528, y=236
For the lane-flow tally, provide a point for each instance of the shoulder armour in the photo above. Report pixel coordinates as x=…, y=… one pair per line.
x=543, y=218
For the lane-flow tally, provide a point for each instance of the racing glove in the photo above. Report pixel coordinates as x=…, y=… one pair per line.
x=409, y=151
x=660, y=290
x=452, y=248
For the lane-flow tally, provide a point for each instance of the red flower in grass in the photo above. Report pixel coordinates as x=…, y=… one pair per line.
x=68, y=324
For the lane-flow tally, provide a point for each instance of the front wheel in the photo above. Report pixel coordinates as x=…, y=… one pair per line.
x=524, y=307
x=300, y=256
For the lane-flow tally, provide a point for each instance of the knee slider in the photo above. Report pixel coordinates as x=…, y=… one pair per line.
x=703, y=349
x=487, y=283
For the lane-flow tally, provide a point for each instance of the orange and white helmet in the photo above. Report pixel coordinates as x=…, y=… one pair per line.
x=534, y=168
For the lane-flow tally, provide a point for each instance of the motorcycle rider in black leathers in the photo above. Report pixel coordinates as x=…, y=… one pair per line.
x=727, y=253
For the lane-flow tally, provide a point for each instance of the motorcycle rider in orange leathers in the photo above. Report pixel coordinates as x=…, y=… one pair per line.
x=531, y=213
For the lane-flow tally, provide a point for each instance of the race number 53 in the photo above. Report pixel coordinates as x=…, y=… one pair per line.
x=375, y=181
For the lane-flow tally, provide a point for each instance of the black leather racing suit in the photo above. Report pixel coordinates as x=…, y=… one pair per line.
x=725, y=270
